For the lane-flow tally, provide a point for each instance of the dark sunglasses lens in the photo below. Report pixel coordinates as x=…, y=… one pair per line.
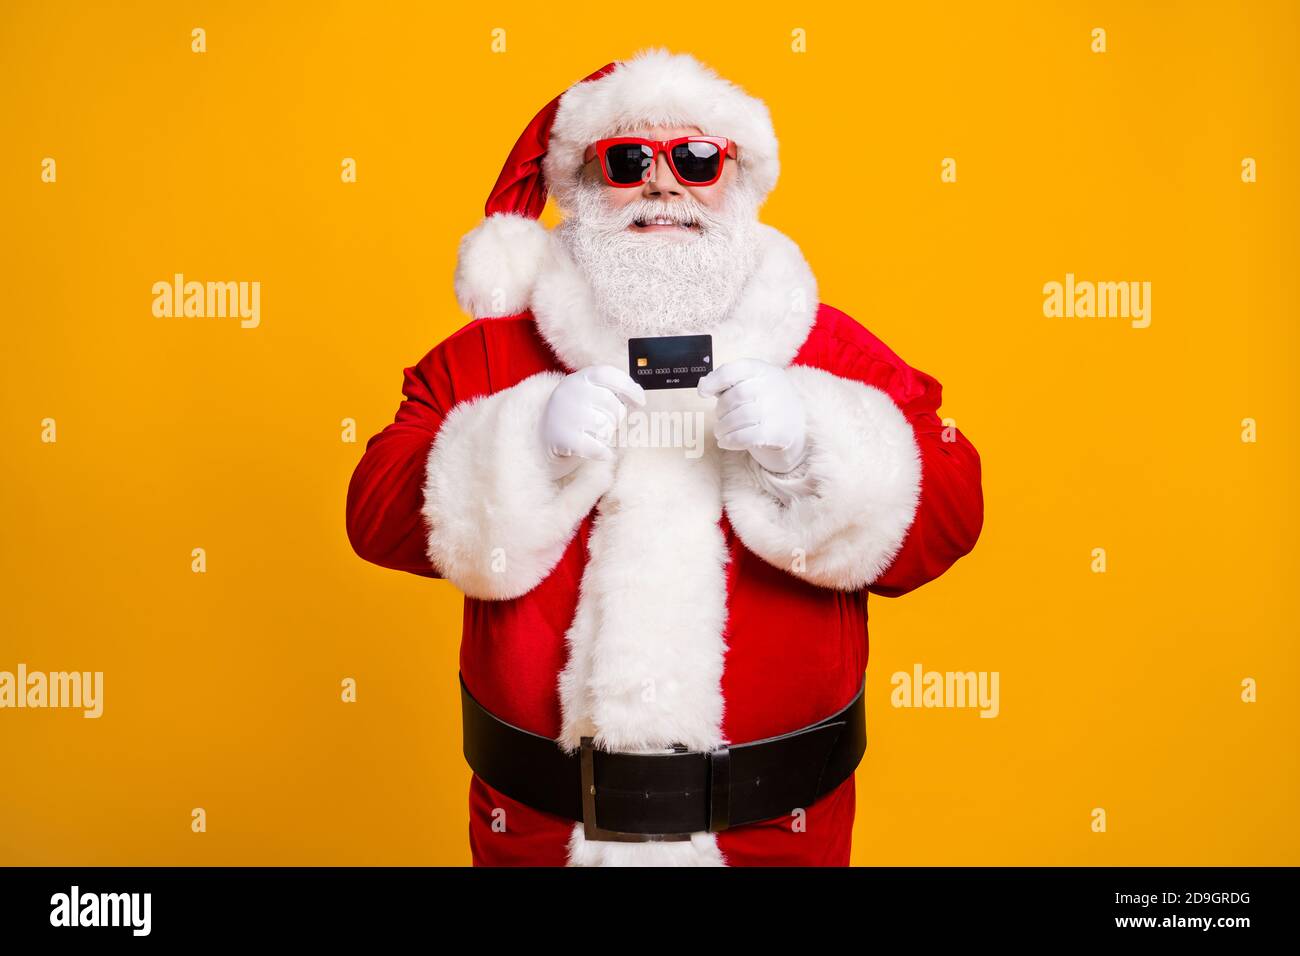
x=697, y=162
x=627, y=162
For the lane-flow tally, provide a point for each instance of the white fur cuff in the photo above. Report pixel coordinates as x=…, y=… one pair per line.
x=498, y=524
x=864, y=471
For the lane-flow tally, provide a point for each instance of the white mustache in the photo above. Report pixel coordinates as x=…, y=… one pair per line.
x=648, y=209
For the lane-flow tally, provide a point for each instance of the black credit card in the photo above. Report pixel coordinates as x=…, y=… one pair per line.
x=670, y=361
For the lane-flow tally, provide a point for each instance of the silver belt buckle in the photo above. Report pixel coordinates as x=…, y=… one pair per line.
x=593, y=831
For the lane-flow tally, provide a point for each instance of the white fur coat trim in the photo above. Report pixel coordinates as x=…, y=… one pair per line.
x=497, y=523
x=863, y=472
x=646, y=647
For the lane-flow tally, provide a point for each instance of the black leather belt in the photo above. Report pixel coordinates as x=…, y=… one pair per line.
x=640, y=797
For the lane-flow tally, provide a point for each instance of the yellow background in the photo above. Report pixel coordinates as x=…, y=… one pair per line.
x=1119, y=690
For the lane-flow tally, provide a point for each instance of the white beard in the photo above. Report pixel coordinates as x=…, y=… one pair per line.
x=645, y=285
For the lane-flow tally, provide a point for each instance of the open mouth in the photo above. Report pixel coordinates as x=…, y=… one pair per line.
x=663, y=224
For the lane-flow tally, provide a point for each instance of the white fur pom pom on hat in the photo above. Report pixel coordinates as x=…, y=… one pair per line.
x=497, y=264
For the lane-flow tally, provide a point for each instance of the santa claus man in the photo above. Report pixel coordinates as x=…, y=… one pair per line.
x=664, y=643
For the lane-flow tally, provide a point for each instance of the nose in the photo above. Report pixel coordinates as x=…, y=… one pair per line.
x=662, y=184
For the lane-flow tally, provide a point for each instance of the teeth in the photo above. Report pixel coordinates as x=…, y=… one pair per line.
x=661, y=221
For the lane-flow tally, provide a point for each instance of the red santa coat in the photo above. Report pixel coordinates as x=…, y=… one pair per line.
x=662, y=598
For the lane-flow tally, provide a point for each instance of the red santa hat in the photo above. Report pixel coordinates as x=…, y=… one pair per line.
x=499, y=259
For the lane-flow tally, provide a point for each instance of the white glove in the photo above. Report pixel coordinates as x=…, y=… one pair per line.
x=582, y=415
x=758, y=411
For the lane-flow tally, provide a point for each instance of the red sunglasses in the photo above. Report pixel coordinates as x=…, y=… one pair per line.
x=630, y=160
